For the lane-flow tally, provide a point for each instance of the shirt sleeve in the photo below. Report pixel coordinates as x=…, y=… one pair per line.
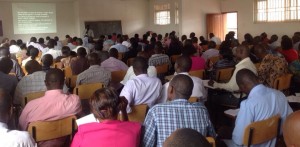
x=244, y=118
x=24, y=118
x=76, y=140
x=127, y=92
x=149, y=137
x=231, y=85
x=152, y=71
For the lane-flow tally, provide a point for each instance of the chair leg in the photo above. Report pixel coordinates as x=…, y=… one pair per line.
x=250, y=137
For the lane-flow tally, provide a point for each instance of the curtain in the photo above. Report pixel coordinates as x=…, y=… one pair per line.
x=217, y=24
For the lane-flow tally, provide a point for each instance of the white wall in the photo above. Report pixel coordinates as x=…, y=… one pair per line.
x=194, y=15
x=246, y=24
x=65, y=21
x=132, y=13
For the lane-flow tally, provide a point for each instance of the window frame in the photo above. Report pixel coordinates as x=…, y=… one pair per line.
x=161, y=8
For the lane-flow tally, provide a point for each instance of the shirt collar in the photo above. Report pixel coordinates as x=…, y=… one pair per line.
x=243, y=61
x=255, y=88
x=94, y=66
x=179, y=100
x=142, y=75
x=53, y=92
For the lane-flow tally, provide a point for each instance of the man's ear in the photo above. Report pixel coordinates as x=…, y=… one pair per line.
x=170, y=92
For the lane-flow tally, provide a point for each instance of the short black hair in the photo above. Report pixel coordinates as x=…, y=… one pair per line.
x=140, y=64
x=6, y=65
x=184, y=63
x=183, y=86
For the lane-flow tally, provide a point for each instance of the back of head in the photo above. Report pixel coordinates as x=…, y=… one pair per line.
x=291, y=129
x=32, y=66
x=274, y=38
x=286, y=43
x=19, y=42
x=34, y=52
x=41, y=40
x=158, y=47
x=212, y=45
x=33, y=39
x=242, y=52
x=226, y=53
x=182, y=87
x=113, y=52
x=6, y=65
x=81, y=52
x=192, y=35
x=103, y=56
x=51, y=43
x=140, y=65
x=186, y=137
x=56, y=38
x=5, y=105
x=104, y=104
x=54, y=79
x=13, y=42
x=183, y=64
x=66, y=51
x=93, y=59
x=4, y=52
x=211, y=35
x=188, y=49
x=79, y=41
x=246, y=80
x=47, y=60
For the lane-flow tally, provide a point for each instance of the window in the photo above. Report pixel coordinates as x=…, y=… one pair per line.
x=162, y=14
x=276, y=10
x=176, y=13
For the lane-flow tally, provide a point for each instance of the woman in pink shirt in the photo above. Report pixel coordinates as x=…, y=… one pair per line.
x=198, y=62
x=109, y=131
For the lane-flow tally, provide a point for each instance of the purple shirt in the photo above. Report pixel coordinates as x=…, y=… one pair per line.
x=113, y=64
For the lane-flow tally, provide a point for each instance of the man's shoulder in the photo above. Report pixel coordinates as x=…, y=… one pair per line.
x=20, y=138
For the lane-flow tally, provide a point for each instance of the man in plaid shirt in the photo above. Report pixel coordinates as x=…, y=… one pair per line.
x=163, y=119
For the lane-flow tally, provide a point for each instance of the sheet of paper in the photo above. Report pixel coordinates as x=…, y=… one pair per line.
x=205, y=83
x=86, y=119
x=232, y=112
x=292, y=98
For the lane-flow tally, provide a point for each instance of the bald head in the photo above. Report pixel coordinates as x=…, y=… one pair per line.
x=246, y=80
x=181, y=86
x=291, y=130
x=54, y=79
x=186, y=137
x=183, y=64
x=242, y=52
x=32, y=66
x=5, y=106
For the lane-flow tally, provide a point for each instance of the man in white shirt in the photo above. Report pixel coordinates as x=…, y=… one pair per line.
x=142, y=89
x=58, y=44
x=11, y=138
x=108, y=43
x=89, y=32
x=211, y=52
x=55, y=53
x=33, y=42
x=242, y=54
x=80, y=44
x=182, y=66
x=14, y=48
x=274, y=43
x=215, y=39
x=121, y=48
x=126, y=41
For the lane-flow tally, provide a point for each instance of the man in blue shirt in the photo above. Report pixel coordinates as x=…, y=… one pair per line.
x=262, y=103
x=163, y=119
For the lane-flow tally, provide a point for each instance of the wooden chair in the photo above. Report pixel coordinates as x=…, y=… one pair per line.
x=197, y=73
x=71, y=81
x=120, y=56
x=138, y=113
x=20, y=59
x=283, y=82
x=193, y=99
x=173, y=58
x=262, y=131
x=58, y=65
x=85, y=91
x=34, y=95
x=162, y=69
x=130, y=61
x=48, y=130
x=211, y=141
x=214, y=59
x=68, y=72
x=224, y=75
x=117, y=76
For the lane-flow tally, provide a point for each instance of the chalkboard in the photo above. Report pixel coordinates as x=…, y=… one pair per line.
x=105, y=27
x=1, y=29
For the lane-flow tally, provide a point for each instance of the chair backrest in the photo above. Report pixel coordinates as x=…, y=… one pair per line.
x=47, y=130
x=193, y=99
x=120, y=56
x=262, y=131
x=71, y=81
x=211, y=141
x=117, y=76
x=130, y=61
x=214, y=59
x=162, y=69
x=85, y=91
x=58, y=65
x=68, y=72
x=138, y=113
x=34, y=95
x=283, y=82
x=224, y=75
x=173, y=58
x=197, y=73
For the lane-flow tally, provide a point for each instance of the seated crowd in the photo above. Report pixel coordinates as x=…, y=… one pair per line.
x=173, y=118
